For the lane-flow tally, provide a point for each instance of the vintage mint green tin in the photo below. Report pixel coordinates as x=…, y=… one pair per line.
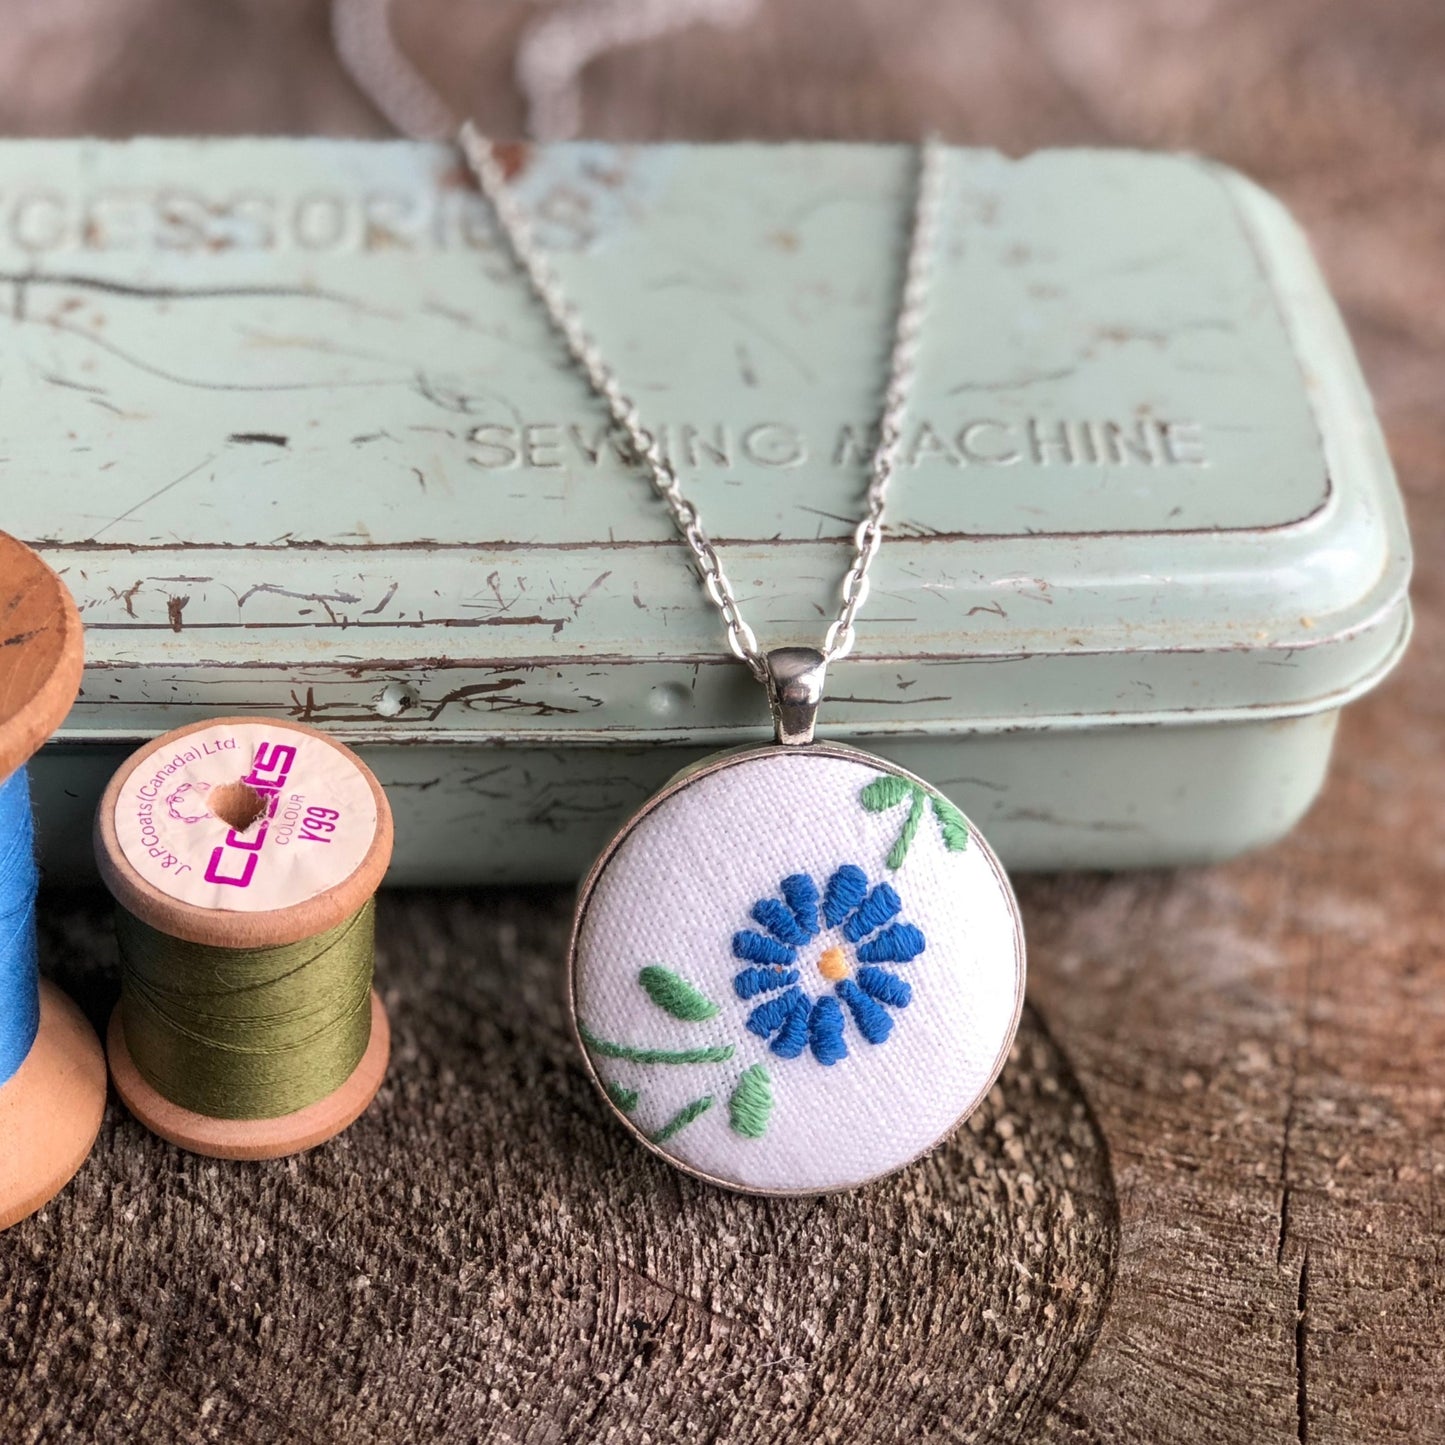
x=302, y=446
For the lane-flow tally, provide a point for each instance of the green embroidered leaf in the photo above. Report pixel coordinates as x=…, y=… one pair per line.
x=624, y=1098
x=682, y=1119
x=886, y=791
x=604, y=1048
x=751, y=1103
x=951, y=824
x=674, y=993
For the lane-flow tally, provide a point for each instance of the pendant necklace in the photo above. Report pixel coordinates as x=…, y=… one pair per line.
x=797, y=968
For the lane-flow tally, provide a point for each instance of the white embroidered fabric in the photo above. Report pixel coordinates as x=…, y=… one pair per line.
x=926, y=981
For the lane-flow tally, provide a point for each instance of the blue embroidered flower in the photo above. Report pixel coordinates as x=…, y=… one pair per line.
x=865, y=935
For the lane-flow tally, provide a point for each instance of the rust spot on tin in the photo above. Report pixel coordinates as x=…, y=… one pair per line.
x=513, y=156
x=128, y=597
x=174, y=607
x=613, y=177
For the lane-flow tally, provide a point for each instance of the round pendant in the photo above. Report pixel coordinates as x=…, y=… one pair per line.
x=796, y=969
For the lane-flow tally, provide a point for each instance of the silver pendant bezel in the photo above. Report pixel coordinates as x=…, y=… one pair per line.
x=720, y=762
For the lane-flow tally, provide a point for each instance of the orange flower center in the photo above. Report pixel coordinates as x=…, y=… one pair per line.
x=832, y=965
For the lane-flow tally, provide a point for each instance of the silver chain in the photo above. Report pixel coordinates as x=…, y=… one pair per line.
x=868, y=536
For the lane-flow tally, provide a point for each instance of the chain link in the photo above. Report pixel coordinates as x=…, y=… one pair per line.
x=643, y=447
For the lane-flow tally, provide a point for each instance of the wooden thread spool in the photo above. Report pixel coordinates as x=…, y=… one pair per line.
x=51, y=1107
x=236, y=834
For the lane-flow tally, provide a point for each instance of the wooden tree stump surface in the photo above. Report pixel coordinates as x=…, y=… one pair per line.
x=485, y=1254
x=1202, y=1204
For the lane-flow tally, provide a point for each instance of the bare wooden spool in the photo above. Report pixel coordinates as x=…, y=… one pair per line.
x=51, y=1108
x=219, y=927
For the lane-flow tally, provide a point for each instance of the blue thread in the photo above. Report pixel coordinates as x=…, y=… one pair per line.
x=753, y=981
x=825, y=1031
x=802, y=895
x=758, y=948
x=772, y=1014
x=880, y=905
x=900, y=944
x=885, y=987
x=779, y=920
x=873, y=1021
x=790, y=1017
x=846, y=889
x=19, y=879
x=792, y=1038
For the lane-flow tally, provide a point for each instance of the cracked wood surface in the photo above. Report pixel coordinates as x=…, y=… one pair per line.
x=1259, y=1043
x=484, y=1256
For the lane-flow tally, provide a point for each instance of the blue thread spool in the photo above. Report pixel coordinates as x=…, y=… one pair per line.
x=52, y=1070
x=19, y=971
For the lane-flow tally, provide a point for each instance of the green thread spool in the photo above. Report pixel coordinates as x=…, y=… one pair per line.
x=247, y=1033
x=243, y=856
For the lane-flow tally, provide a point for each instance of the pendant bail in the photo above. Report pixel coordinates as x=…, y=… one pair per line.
x=795, y=688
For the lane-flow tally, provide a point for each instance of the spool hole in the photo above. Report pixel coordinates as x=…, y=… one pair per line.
x=237, y=804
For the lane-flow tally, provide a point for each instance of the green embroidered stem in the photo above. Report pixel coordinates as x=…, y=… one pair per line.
x=682, y=1119
x=910, y=829
x=718, y=1054
x=674, y=993
x=888, y=790
x=751, y=1103
x=623, y=1097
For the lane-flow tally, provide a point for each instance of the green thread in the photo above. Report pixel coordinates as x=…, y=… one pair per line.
x=718, y=1054
x=246, y=1033
x=682, y=1119
x=951, y=823
x=899, y=851
x=625, y=1098
x=888, y=790
x=751, y=1103
x=674, y=993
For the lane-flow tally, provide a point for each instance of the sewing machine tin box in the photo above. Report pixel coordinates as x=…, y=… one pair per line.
x=303, y=446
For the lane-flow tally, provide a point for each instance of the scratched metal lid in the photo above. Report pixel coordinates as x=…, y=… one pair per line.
x=301, y=443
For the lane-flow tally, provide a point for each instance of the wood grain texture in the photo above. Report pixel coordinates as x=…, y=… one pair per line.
x=483, y=1255
x=41, y=653
x=1260, y=1043
x=50, y=1109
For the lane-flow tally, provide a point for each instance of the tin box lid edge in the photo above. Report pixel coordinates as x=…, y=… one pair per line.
x=1355, y=452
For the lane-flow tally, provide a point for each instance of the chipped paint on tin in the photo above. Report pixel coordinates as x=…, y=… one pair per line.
x=310, y=451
